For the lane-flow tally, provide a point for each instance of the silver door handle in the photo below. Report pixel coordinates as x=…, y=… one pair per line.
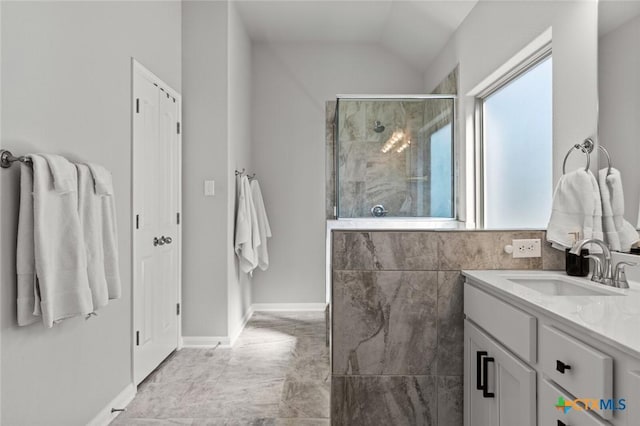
x=167, y=240
x=158, y=241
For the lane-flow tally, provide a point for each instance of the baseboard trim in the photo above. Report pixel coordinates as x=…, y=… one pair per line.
x=229, y=341
x=105, y=416
x=245, y=320
x=205, y=341
x=309, y=307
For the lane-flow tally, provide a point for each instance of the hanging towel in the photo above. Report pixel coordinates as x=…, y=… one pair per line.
x=576, y=208
x=25, y=256
x=247, y=236
x=64, y=174
x=60, y=255
x=103, y=187
x=90, y=212
x=619, y=233
x=102, y=179
x=264, y=229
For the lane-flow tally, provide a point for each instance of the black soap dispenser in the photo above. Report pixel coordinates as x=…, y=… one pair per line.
x=576, y=265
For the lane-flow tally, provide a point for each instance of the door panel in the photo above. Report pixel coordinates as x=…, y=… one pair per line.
x=156, y=177
x=512, y=383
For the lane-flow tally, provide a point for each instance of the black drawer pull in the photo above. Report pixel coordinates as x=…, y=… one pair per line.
x=562, y=367
x=479, y=355
x=485, y=377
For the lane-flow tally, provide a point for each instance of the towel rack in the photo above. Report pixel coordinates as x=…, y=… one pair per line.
x=587, y=148
x=7, y=158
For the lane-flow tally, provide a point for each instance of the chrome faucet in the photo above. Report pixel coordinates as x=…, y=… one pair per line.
x=605, y=275
x=603, y=271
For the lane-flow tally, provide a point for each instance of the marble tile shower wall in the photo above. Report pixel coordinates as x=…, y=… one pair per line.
x=397, y=352
x=368, y=176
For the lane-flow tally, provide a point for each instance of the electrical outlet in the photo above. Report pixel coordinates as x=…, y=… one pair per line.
x=527, y=248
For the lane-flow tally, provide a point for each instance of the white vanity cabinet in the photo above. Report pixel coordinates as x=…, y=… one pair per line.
x=520, y=359
x=499, y=388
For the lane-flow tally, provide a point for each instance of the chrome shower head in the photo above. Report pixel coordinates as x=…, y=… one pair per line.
x=378, y=127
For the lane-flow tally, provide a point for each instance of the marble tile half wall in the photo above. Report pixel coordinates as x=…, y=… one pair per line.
x=397, y=332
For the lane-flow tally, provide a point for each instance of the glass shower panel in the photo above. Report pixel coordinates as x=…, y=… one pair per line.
x=394, y=157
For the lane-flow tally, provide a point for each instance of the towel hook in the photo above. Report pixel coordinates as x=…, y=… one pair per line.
x=240, y=173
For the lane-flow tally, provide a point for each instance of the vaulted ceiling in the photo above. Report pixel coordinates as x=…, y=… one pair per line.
x=416, y=30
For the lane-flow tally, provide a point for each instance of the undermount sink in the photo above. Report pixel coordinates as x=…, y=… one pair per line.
x=556, y=286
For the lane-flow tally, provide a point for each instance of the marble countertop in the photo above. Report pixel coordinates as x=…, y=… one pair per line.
x=613, y=319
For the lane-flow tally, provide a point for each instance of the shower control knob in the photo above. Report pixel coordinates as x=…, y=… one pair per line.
x=378, y=211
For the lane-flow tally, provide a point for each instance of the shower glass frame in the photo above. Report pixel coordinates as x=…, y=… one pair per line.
x=399, y=98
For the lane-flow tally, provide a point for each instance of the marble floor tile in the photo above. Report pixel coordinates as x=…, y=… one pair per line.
x=280, y=363
x=305, y=399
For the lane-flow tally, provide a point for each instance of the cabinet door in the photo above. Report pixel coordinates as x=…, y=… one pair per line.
x=509, y=394
x=479, y=410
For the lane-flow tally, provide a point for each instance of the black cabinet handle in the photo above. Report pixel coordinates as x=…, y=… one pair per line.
x=479, y=355
x=485, y=377
x=562, y=367
x=561, y=423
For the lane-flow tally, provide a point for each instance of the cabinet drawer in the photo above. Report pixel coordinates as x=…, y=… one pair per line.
x=512, y=327
x=580, y=369
x=549, y=415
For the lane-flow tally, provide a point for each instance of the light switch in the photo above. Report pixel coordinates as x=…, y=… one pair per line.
x=209, y=188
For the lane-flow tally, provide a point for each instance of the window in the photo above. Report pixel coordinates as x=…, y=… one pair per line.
x=516, y=132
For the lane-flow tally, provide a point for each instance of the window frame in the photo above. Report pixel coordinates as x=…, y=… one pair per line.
x=530, y=62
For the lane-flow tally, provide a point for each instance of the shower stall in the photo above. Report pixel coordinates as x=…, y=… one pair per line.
x=394, y=156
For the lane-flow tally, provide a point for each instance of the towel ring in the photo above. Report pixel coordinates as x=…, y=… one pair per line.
x=606, y=153
x=582, y=147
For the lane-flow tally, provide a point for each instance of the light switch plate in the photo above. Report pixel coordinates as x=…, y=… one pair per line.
x=527, y=248
x=209, y=188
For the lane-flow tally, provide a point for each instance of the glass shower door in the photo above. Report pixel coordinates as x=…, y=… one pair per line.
x=394, y=157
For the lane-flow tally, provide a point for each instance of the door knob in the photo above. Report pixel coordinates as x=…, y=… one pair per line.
x=159, y=241
x=167, y=240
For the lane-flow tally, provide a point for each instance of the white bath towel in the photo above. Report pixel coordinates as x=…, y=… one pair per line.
x=103, y=186
x=64, y=174
x=619, y=233
x=263, y=225
x=102, y=179
x=60, y=255
x=90, y=212
x=25, y=253
x=576, y=208
x=247, y=236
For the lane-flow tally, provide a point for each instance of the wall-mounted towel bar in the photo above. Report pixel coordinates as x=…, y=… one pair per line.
x=7, y=158
x=587, y=148
x=244, y=171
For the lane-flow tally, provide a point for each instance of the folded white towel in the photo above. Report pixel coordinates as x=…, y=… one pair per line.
x=90, y=212
x=103, y=186
x=102, y=179
x=609, y=228
x=576, y=208
x=63, y=172
x=264, y=229
x=25, y=254
x=60, y=256
x=247, y=236
x=619, y=233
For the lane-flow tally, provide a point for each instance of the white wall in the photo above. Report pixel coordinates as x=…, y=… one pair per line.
x=619, y=127
x=290, y=85
x=492, y=33
x=239, y=110
x=66, y=89
x=205, y=157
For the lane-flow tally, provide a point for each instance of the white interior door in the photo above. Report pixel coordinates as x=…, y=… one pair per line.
x=156, y=216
